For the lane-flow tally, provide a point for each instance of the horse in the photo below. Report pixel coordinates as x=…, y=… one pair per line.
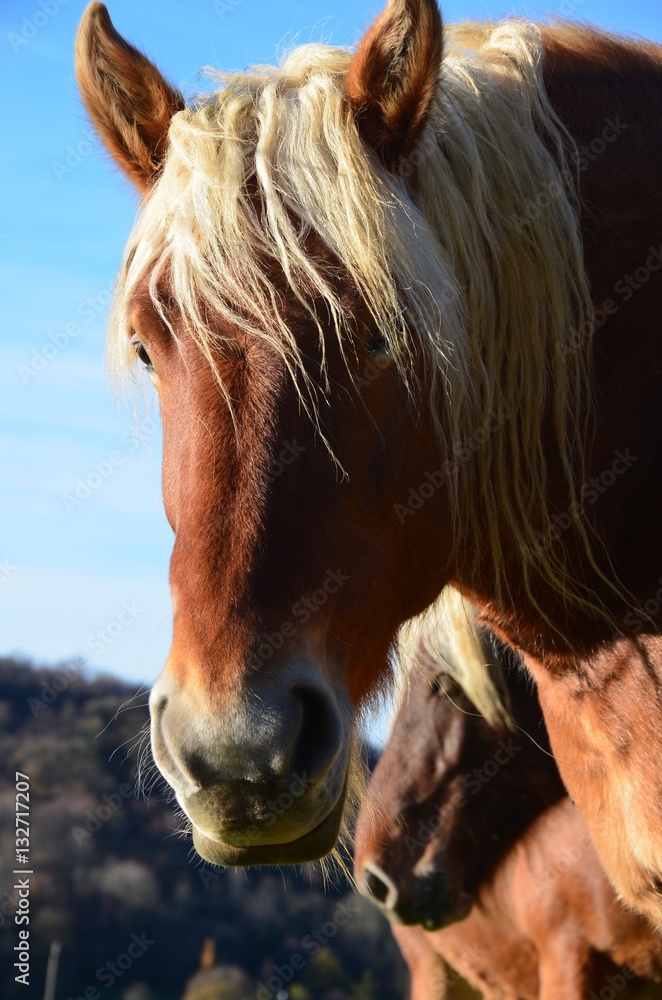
x=468, y=842
x=453, y=790
x=400, y=307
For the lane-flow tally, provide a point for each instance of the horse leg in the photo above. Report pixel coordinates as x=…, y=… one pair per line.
x=565, y=972
x=607, y=749
x=429, y=983
x=427, y=969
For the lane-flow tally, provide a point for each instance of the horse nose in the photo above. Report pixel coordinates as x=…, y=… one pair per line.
x=300, y=734
x=267, y=767
x=319, y=733
x=380, y=887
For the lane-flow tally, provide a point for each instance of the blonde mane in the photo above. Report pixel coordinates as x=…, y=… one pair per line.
x=448, y=634
x=463, y=269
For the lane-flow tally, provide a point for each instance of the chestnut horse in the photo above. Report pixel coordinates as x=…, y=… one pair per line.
x=366, y=286
x=467, y=831
x=452, y=792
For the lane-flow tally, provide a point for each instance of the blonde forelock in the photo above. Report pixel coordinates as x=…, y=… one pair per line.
x=467, y=257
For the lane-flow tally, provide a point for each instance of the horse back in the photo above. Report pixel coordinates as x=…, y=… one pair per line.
x=608, y=93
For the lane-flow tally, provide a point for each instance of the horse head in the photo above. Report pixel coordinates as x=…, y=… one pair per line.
x=283, y=415
x=452, y=791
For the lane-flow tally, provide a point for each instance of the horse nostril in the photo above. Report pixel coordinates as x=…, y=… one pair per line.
x=157, y=705
x=320, y=733
x=380, y=887
x=199, y=771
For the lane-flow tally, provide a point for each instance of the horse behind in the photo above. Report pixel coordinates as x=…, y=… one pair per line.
x=468, y=833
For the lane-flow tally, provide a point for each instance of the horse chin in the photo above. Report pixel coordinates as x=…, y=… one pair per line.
x=439, y=908
x=312, y=846
x=432, y=901
x=429, y=921
x=440, y=918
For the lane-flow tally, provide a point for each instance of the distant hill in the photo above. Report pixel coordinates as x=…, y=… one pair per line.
x=124, y=892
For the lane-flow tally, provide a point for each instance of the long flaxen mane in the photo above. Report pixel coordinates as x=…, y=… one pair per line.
x=447, y=637
x=451, y=252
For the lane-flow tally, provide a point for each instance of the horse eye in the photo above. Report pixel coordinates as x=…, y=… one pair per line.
x=438, y=684
x=377, y=344
x=142, y=354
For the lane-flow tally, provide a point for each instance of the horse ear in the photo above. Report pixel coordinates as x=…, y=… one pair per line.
x=130, y=103
x=393, y=76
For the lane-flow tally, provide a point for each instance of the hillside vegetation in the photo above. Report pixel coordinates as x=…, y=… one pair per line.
x=113, y=877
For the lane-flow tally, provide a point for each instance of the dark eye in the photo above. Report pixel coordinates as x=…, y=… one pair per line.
x=438, y=684
x=142, y=354
x=377, y=344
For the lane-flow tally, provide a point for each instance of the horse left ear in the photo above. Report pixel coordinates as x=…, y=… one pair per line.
x=129, y=101
x=393, y=76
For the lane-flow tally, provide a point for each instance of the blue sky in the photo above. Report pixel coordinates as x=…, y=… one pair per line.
x=70, y=570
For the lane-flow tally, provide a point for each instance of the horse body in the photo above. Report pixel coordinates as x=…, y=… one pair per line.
x=518, y=901
x=593, y=697
x=376, y=269
x=621, y=222
x=548, y=926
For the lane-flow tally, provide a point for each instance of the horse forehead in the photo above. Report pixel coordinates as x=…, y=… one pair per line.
x=430, y=729
x=155, y=312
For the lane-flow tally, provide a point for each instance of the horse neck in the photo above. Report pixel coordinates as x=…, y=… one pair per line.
x=587, y=75
x=528, y=781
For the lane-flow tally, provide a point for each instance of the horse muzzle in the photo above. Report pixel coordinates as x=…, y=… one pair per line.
x=263, y=779
x=429, y=899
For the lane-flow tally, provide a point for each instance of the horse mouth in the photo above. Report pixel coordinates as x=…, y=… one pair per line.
x=437, y=917
x=434, y=905
x=437, y=921
x=310, y=847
